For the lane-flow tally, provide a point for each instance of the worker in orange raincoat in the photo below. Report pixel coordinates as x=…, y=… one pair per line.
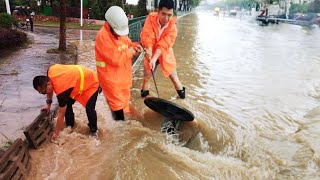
x=70, y=83
x=158, y=36
x=114, y=51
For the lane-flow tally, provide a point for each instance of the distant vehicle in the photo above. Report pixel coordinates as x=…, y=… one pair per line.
x=233, y=12
x=22, y=25
x=216, y=11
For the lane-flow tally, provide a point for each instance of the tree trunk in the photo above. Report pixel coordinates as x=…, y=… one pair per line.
x=175, y=5
x=156, y=4
x=62, y=38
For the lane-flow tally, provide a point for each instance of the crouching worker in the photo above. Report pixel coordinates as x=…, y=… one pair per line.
x=114, y=52
x=70, y=83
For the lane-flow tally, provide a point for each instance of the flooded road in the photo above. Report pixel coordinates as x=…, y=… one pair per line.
x=254, y=90
x=19, y=102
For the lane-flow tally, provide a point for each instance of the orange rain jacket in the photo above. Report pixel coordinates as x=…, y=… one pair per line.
x=83, y=80
x=114, y=66
x=149, y=34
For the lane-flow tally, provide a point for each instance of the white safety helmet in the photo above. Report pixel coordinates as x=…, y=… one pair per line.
x=117, y=20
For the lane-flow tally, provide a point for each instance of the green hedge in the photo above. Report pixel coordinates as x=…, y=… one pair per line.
x=11, y=38
x=6, y=20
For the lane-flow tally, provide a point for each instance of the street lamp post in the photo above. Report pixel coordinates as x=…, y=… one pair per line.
x=81, y=13
x=8, y=6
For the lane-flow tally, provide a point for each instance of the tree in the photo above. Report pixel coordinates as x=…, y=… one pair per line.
x=141, y=8
x=62, y=37
x=3, y=7
x=156, y=3
x=314, y=6
x=194, y=3
x=100, y=7
x=298, y=8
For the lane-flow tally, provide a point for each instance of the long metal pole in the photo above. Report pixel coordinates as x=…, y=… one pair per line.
x=154, y=80
x=8, y=6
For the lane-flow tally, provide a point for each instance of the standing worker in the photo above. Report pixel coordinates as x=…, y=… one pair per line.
x=31, y=16
x=158, y=36
x=114, y=51
x=70, y=83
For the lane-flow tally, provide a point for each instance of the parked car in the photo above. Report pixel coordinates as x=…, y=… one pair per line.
x=233, y=12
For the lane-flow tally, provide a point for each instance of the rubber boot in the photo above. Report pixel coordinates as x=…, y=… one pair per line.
x=144, y=93
x=118, y=115
x=182, y=93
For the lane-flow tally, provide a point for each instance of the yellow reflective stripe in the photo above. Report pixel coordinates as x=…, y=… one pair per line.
x=122, y=47
x=100, y=63
x=81, y=79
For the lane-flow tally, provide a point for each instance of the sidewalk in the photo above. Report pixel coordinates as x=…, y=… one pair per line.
x=19, y=103
x=183, y=13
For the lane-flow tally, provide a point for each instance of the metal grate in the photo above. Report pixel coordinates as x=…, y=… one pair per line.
x=134, y=33
x=14, y=163
x=135, y=30
x=39, y=131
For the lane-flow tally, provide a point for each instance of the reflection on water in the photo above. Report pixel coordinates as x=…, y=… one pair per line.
x=253, y=90
x=263, y=77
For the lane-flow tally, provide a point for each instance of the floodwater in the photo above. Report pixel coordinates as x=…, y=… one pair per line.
x=20, y=104
x=254, y=91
